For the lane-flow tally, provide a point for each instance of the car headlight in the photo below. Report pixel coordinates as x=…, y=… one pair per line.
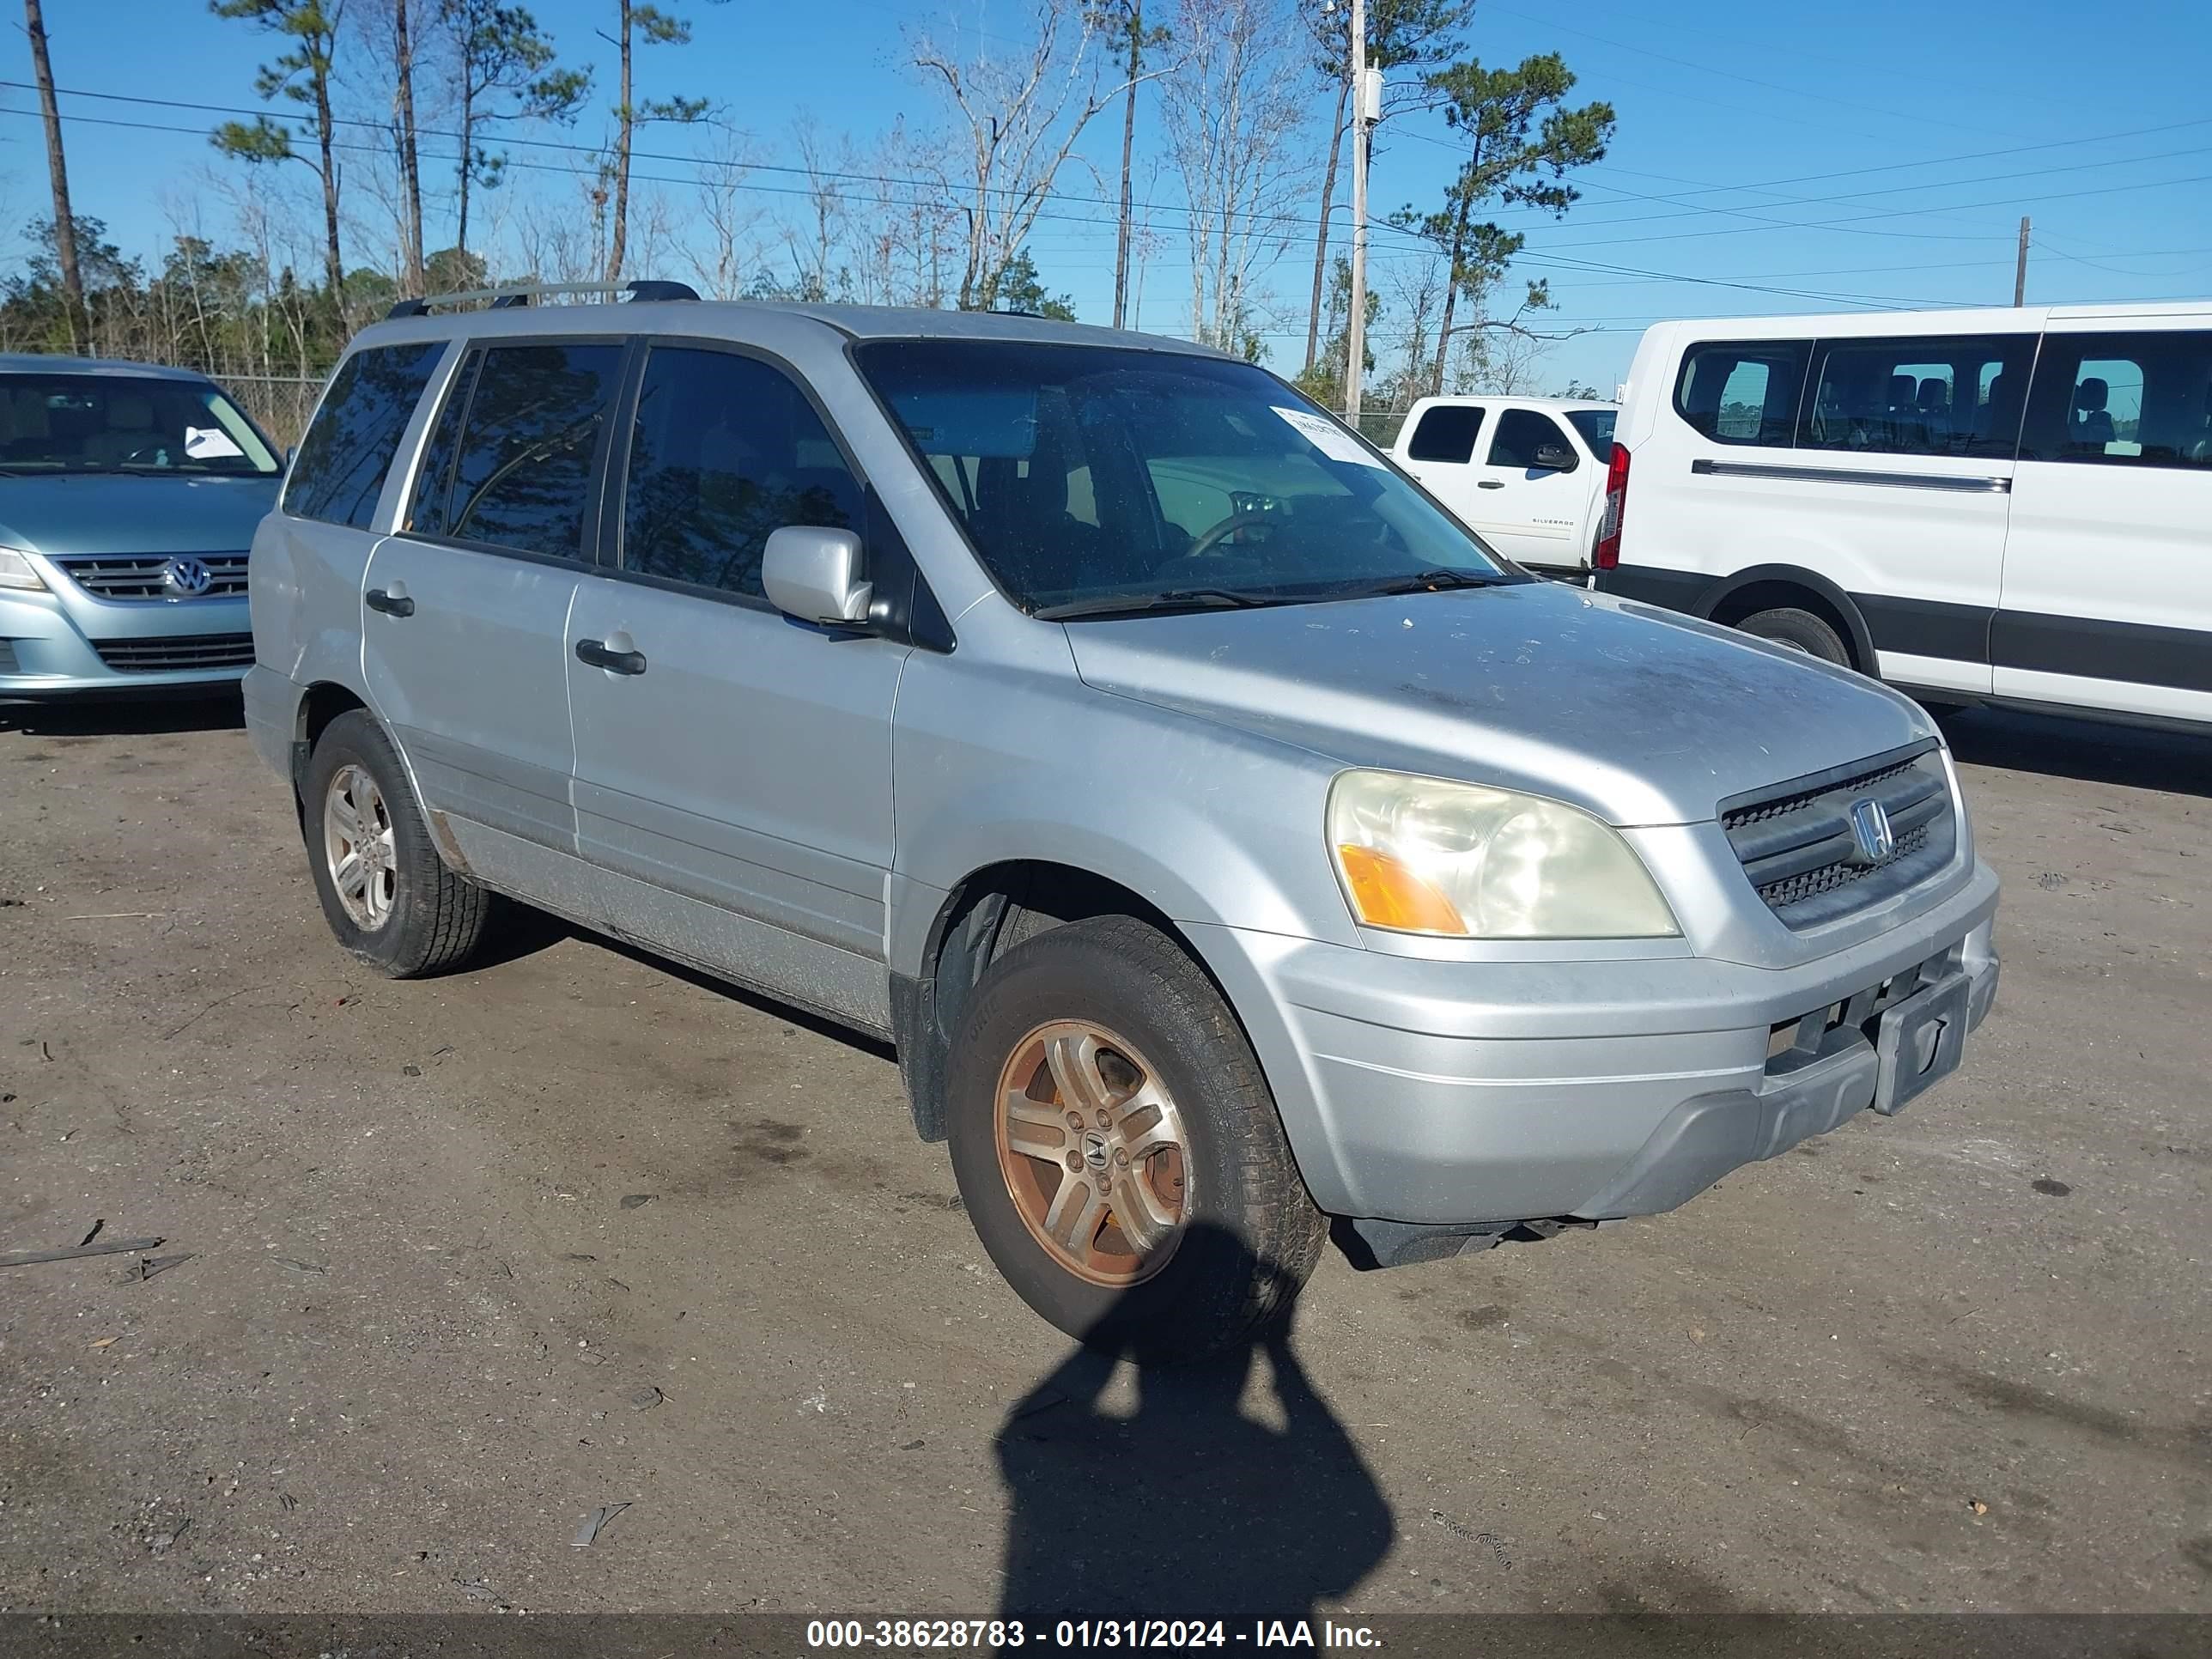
x=1422, y=856
x=17, y=571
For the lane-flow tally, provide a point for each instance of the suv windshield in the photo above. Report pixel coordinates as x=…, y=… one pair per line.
x=125, y=423
x=1595, y=426
x=1093, y=479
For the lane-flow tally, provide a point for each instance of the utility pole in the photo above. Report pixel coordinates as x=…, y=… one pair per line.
x=1136, y=22
x=35, y=24
x=2020, y=270
x=1355, y=327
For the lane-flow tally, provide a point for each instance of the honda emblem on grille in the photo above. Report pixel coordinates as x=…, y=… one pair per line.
x=189, y=577
x=1872, y=839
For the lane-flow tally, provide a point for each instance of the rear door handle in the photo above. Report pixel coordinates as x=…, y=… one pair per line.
x=390, y=604
x=595, y=653
x=1490, y=483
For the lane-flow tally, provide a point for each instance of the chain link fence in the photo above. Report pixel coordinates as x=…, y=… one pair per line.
x=279, y=403
x=1379, y=426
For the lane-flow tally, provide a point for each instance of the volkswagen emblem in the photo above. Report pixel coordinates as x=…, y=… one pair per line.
x=1873, y=840
x=189, y=577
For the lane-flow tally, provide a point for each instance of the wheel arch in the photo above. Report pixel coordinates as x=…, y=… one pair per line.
x=987, y=912
x=1765, y=586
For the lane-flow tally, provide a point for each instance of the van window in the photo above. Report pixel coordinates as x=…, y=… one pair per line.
x=2122, y=400
x=1745, y=393
x=724, y=451
x=1918, y=397
x=1522, y=433
x=1446, y=434
x=339, y=472
x=522, y=472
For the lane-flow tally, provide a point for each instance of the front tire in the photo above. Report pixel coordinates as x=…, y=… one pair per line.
x=1117, y=1147
x=1801, y=630
x=388, y=896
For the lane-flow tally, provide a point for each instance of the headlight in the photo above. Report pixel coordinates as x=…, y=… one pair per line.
x=1421, y=856
x=16, y=571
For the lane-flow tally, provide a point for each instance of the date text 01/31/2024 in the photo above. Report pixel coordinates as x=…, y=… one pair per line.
x=831, y=1635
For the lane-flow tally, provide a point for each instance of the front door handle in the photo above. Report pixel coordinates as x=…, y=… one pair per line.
x=1490, y=483
x=595, y=651
x=390, y=604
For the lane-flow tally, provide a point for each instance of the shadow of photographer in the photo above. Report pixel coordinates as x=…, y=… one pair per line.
x=1220, y=1492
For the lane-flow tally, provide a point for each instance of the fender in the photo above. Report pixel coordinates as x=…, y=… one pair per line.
x=1712, y=599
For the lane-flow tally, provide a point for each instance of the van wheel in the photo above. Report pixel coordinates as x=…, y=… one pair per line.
x=1118, y=1150
x=387, y=894
x=1801, y=630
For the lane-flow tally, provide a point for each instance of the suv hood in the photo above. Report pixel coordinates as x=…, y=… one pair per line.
x=1639, y=716
x=65, y=512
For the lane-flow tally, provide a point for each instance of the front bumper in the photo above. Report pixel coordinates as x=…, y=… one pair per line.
x=51, y=649
x=1474, y=1095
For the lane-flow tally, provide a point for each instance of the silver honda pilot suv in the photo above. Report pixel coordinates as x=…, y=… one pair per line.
x=1229, y=842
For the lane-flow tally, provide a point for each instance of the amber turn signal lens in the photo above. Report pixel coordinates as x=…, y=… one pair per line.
x=1389, y=895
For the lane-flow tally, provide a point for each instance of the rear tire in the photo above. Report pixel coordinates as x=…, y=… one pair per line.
x=1245, y=1234
x=388, y=896
x=1801, y=630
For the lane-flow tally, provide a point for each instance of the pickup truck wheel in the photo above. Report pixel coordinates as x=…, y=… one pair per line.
x=1801, y=630
x=1117, y=1147
x=387, y=894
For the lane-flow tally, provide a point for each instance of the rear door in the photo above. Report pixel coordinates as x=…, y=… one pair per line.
x=733, y=766
x=1440, y=449
x=464, y=632
x=2107, y=598
x=1532, y=490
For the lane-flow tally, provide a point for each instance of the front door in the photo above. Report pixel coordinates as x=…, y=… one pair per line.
x=733, y=767
x=464, y=625
x=1531, y=491
x=2108, y=569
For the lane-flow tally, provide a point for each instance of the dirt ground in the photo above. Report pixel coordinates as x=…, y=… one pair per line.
x=464, y=1260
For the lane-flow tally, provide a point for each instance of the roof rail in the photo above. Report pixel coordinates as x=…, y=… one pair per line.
x=523, y=293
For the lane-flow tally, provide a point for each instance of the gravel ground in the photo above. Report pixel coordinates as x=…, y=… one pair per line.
x=456, y=1262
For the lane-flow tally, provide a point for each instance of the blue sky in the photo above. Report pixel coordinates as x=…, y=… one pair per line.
x=1881, y=153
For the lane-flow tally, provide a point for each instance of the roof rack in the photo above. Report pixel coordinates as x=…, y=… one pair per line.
x=523, y=293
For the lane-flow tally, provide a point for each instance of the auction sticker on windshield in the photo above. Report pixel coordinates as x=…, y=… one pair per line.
x=1331, y=440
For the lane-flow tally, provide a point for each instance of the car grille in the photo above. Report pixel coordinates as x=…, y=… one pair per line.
x=1796, y=845
x=156, y=656
x=144, y=575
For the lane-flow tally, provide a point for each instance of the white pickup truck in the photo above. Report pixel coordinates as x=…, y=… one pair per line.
x=1526, y=474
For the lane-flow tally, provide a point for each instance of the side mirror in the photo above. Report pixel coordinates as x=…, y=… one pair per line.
x=1551, y=458
x=814, y=574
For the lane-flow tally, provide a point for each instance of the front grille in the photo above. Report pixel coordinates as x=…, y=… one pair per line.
x=1796, y=843
x=145, y=576
x=156, y=656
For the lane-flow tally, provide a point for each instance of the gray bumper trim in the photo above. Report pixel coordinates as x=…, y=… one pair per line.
x=1703, y=1138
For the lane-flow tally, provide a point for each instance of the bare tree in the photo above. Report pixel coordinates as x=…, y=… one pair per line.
x=1234, y=111
x=35, y=24
x=1022, y=116
x=726, y=214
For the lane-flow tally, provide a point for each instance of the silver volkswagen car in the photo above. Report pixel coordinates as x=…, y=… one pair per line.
x=128, y=495
x=1230, y=844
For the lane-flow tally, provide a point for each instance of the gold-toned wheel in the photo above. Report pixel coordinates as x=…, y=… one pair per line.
x=1093, y=1149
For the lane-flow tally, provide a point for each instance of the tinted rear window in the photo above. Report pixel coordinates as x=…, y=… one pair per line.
x=1742, y=393
x=1446, y=434
x=1596, y=427
x=339, y=471
x=522, y=473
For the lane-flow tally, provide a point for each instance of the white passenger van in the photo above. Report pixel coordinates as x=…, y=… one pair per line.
x=2007, y=506
x=1526, y=474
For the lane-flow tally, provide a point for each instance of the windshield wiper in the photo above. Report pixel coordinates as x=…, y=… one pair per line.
x=1132, y=605
x=1434, y=581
